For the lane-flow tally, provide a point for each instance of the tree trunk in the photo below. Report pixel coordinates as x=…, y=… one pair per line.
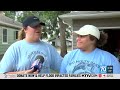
x=62, y=38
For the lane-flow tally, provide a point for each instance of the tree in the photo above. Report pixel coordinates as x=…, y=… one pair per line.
x=10, y=14
x=63, y=38
x=51, y=29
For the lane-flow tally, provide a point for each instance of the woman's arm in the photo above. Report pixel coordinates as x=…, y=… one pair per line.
x=24, y=72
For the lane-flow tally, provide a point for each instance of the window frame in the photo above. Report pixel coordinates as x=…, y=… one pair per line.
x=6, y=36
x=15, y=36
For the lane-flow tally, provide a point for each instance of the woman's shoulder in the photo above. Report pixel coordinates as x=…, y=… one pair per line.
x=75, y=50
x=14, y=46
x=106, y=54
x=72, y=52
x=17, y=43
x=103, y=51
x=45, y=44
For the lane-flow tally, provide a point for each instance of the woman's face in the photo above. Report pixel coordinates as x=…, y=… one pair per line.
x=84, y=42
x=33, y=34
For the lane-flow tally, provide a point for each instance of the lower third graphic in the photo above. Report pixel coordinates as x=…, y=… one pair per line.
x=106, y=69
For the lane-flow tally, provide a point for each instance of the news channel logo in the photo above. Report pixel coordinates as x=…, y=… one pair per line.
x=106, y=69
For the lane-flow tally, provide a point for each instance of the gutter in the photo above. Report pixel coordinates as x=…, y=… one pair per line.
x=90, y=16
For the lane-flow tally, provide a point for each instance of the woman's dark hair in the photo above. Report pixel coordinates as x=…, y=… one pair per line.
x=102, y=41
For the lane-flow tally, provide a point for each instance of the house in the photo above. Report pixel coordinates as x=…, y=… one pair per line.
x=107, y=21
x=56, y=42
x=8, y=32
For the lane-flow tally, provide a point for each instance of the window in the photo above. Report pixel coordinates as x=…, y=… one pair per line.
x=4, y=38
x=15, y=35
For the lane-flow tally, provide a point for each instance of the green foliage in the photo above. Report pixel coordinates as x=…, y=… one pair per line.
x=51, y=20
x=49, y=17
x=10, y=14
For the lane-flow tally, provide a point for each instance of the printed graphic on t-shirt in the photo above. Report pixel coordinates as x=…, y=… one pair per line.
x=84, y=66
x=37, y=55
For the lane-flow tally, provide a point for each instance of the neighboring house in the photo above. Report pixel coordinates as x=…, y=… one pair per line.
x=108, y=21
x=56, y=42
x=8, y=32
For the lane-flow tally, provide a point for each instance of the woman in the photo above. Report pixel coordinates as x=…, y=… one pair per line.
x=20, y=56
x=87, y=58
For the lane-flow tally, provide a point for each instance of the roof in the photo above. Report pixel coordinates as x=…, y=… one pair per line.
x=9, y=22
x=90, y=14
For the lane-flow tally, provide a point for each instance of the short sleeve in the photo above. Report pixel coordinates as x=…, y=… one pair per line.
x=7, y=63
